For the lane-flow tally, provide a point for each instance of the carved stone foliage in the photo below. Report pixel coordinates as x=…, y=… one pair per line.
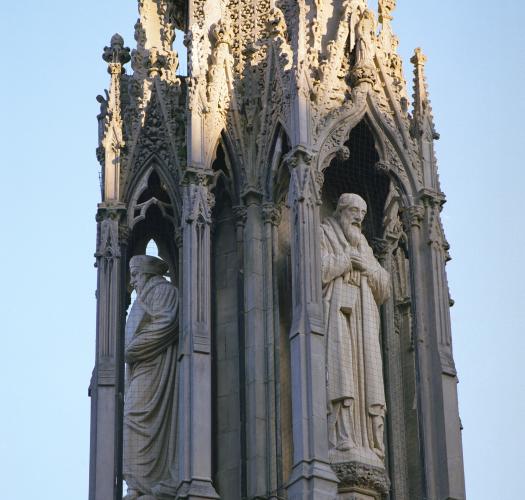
x=360, y=475
x=248, y=21
x=413, y=217
x=160, y=131
x=272, y=214
x=154, y=33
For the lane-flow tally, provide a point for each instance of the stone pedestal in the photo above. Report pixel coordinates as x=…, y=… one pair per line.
x=357, y=494
x=359, y=481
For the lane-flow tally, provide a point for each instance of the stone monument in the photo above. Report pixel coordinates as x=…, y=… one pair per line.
x=149, y=397
x=303, y=348
x=354, y=285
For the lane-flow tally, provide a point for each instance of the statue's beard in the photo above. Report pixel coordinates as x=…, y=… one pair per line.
x=351, y=232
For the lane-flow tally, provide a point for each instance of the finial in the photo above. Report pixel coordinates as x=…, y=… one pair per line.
x=418, y=59
x=116, y=53
x=385, y=9
x=422, y=108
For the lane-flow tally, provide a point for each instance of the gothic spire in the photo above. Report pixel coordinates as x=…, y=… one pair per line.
x=423, y=121
x=111, y=134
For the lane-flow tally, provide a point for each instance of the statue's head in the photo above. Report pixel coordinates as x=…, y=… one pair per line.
x=350, y=211
x=143, y=267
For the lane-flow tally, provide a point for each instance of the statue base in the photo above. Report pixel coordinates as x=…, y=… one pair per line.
x=359, y=455
x=358, y=494
x=358, y=481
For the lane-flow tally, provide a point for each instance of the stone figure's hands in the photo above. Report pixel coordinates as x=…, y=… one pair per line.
x=359, y=264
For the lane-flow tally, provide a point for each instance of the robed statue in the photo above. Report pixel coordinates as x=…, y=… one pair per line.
x=354, y=285
x=149, y=399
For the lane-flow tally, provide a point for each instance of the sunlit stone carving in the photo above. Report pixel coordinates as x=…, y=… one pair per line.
x=149, y=405
x=354, y=284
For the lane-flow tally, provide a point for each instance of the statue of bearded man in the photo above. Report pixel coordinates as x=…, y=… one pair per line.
x=354, y=285
x=149, y=399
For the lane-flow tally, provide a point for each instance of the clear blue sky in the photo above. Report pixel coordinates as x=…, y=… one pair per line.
x=51, y=71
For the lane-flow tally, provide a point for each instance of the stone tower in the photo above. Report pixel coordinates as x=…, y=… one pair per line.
x=236, y=172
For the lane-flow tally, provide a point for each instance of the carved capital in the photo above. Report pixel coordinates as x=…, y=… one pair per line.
x=196, y=176
x=362, y=74
x=272, y=214
x=297, y=157
x=381, y=247
x=240, y=213
x=413, y=216
x=355, y=474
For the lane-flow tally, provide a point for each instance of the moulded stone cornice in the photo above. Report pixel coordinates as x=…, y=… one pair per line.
x=197, y=176
x=432, y=197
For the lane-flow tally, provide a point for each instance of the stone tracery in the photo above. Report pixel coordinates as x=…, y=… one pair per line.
x=282, y=85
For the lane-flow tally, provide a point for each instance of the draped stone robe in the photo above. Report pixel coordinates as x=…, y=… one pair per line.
x=149, y=402
x=353, y=352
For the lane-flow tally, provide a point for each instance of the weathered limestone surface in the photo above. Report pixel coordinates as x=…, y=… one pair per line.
x=354, y=286
x=149, y=399
x=235, y=170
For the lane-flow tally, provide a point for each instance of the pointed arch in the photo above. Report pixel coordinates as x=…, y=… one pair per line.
x=389, y=146
x=226, y=166
x=153, y=213
x=136, y=183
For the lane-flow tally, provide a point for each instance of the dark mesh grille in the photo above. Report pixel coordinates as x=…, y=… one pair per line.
x=359, y=175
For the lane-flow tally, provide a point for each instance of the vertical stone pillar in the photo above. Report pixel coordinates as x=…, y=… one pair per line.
x=107, y=384
x=272, y=218
x=312, y=477
x=256, y=352
x=194, y=363
x=450, y=485
x=107, y=387
x=437, y=398
x=240, y=214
